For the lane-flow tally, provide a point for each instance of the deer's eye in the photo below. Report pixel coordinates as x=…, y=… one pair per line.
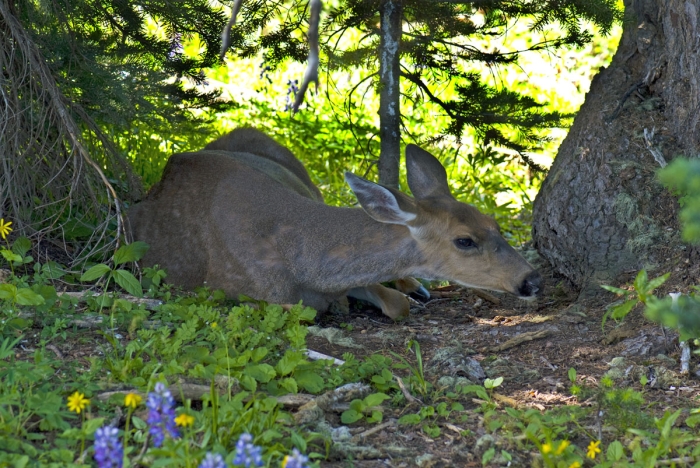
x=465, y=243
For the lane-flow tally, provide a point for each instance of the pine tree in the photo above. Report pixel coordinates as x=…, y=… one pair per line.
x=76, y=77
x=435, y=44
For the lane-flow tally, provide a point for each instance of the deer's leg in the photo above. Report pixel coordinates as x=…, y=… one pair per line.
x=393, y=303
x=413, y=287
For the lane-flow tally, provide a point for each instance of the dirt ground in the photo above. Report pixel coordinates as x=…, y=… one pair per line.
x=531, y=345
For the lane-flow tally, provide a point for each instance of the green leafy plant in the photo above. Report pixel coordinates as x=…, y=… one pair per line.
x=366, y=409
x=124, y=278
x=683, y=176
x=642, y=291
x=490, y=384
x=680, y=312
x=427, y=416
x=417, y=375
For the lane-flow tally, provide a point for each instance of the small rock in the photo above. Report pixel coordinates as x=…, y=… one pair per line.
x=484, y=443
x=426, y=461
x=341, y=434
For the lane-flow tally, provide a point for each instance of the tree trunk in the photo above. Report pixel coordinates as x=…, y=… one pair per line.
x=601, y=211
x=389, y=95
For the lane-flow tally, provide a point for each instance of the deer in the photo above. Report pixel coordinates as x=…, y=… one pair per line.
x=243, y=215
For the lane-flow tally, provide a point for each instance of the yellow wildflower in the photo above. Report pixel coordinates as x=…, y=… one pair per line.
x=562, y=446
x=593, y=449
x=132, y=400
x=575, y=464
x=214, y=324
x=5, y=228
x=77, y=402
x=184, y=420
x=546, y=448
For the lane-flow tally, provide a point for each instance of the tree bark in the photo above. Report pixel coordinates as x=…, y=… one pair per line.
x=601, y=211
x=390, y=14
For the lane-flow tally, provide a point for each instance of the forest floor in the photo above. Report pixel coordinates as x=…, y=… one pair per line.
x=465, y=337
x=532, y=345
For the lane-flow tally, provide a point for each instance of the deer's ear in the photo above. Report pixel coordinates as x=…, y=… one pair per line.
x=426, y=176
x=381, y=203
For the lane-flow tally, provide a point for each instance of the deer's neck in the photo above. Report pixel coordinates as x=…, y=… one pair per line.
x=345, y=248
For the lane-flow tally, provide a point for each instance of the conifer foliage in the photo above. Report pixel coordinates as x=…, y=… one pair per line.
x=439, y=44
x=76, y=76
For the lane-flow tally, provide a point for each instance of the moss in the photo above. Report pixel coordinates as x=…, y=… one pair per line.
x=643, y=233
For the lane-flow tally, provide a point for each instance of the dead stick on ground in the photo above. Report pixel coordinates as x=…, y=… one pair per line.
x=374, y=430
x=486, y=296
x=406, y=393
x=316, y=356
x=522, y=338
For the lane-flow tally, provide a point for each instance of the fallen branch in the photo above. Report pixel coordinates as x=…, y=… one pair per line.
x=406, y=393
x=316, y=356
x=374, y=430
x=150, y=304
x=522, y=338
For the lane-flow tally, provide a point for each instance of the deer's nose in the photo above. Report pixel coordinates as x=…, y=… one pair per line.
x=531, y=285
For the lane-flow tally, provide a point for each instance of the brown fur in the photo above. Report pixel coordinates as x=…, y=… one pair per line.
x=242, y=215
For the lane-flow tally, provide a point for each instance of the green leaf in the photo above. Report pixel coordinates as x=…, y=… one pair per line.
x=375, y=399
x=263, y=373
x=640, y=282
x=309, y=381
x=615, y=451
x=432, y=430
x=8, y=292
x=478, y=389
x=139, y=423
x=289, y=362
x=493, y=383
x=375, y=417
x=130, y=252
x=411, y=419
x=92, y=425
x=572, y=375
x=27, y=297
x=52, y=270
x=289, y=384
x=97, y=271
x=350, y=416
x=488, y=455
x=615, y=290
x=11, y=257
x=656, y=282
x=298, y=441
x=358, y=405
x=127, y=282
x=21, y=246
x=620, y=311
x=307, y=315
x=258, y=354
x=18, y=324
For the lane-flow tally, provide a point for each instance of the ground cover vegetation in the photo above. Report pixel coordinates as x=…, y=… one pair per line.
x=134, y=372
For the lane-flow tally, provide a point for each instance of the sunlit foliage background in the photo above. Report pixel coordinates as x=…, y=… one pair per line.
x=333, y=133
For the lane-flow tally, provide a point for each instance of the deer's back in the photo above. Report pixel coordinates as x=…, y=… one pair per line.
x=214, y=218
x=252, y=141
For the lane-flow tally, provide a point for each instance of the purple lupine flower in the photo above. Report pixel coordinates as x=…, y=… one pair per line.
x=109, y=452
x=264, y=69
x=213, y=460
x=247, y=454
x=161, y=414
x=295, y=460
x=175, y=46
x=292, y=90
